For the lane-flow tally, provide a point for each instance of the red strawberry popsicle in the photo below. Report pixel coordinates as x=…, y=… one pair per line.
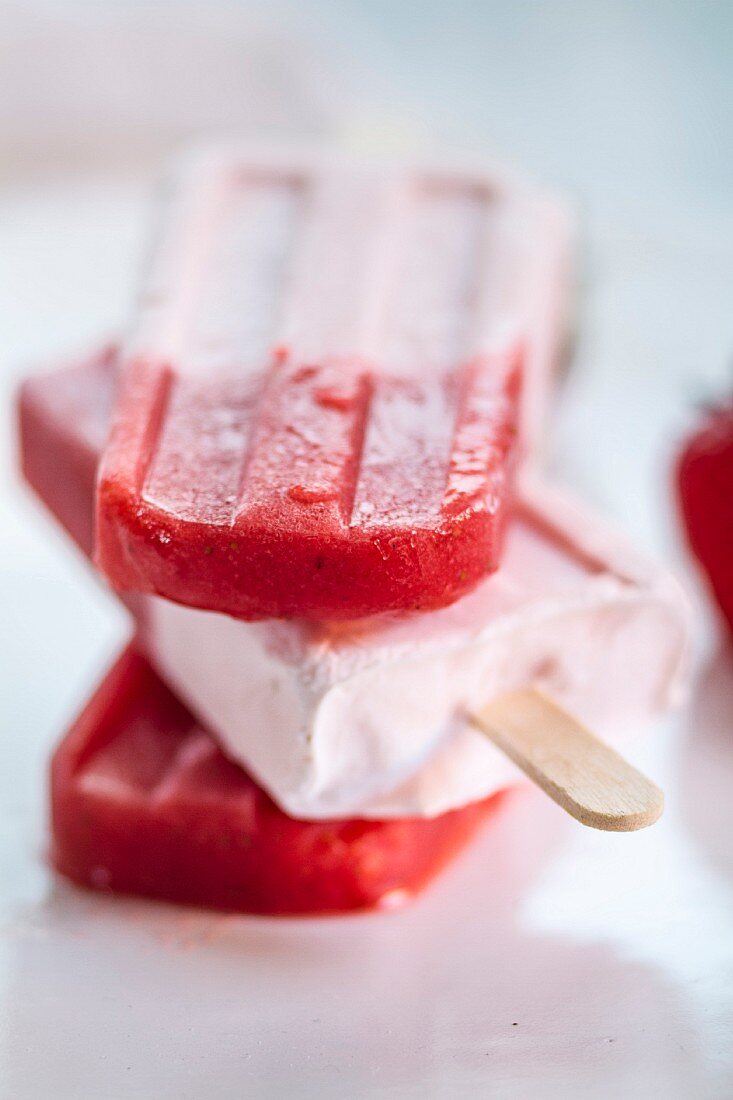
x=705, y=484
x=143, y=802
x=319, y=399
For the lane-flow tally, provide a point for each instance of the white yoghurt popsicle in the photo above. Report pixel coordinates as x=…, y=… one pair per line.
x=371, y=719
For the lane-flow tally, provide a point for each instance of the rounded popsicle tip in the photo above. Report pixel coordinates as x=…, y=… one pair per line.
x=584, y=776
x=645, y=807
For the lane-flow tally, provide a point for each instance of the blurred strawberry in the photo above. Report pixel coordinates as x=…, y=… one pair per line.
x=705, y=485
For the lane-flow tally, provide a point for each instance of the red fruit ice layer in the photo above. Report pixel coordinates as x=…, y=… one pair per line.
x=64, y=419
x=705, y=484
x=318, y=405
x=143, y=802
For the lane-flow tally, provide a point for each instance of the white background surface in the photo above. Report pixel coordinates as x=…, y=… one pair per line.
x=548, y=961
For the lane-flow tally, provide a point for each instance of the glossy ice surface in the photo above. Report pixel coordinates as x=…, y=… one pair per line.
x=320, y=396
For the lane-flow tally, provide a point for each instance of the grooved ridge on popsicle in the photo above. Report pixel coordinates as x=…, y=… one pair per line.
x=343, y=400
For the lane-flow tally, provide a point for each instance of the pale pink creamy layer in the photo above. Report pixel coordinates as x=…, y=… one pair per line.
x=371, y=719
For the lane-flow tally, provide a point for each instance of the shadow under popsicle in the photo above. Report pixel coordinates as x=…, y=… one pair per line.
x=132, y=999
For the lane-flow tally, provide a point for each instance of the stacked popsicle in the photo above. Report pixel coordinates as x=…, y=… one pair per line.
x=299, y=474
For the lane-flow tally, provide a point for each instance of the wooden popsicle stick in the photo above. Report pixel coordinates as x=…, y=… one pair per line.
x=590, y=780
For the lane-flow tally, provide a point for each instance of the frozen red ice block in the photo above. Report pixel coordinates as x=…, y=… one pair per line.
x=705, y=485
x=320, y=395
x=143, y=802
x=64, y=420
